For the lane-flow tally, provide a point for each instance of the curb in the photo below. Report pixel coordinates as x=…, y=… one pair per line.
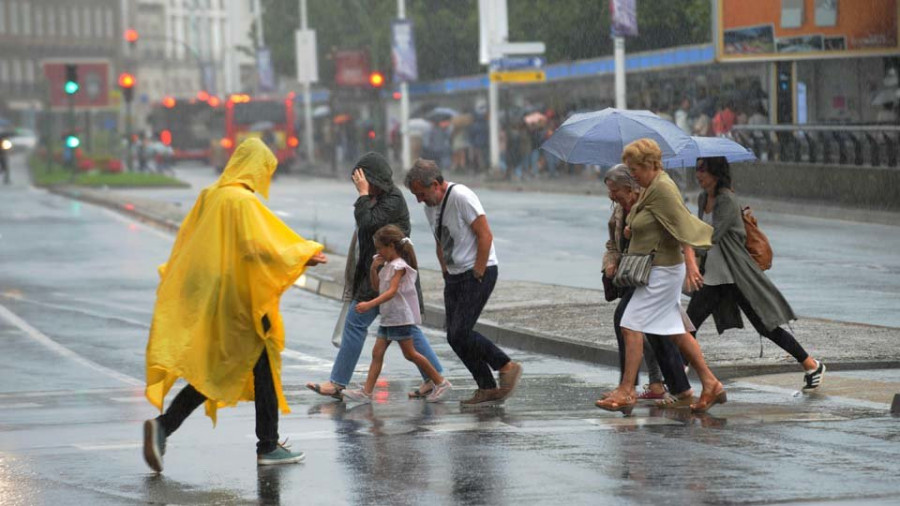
x=526, y=340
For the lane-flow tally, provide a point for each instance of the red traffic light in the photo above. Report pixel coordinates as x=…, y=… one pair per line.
x=376, y=79
x=126, y=80
x=202, y=95
x=131, y=35
x=168, y=102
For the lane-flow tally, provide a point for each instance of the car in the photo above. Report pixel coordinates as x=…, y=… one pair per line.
x=23, y=139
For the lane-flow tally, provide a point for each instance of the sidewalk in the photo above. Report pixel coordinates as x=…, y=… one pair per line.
x=576, y=323
x=590, y=184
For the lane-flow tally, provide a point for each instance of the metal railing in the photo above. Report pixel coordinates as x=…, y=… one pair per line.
x=875, y=145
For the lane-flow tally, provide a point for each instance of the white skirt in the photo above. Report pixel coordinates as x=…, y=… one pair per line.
x=656, y=308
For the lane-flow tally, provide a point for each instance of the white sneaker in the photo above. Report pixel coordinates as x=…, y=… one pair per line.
x=358, y=395
x=439, y=391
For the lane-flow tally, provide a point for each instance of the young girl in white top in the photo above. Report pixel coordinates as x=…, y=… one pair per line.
x=396, y=284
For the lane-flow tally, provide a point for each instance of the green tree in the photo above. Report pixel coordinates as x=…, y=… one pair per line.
x=446, y=31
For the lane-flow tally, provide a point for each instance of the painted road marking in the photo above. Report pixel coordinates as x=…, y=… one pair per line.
x=114, y=305
x=134, y=400
x=20, y=405
x=72, y=309
x=118, y=217
x=303, y=357
x=39, y=337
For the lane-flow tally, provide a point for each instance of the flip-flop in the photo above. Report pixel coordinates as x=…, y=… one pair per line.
x=317, y=388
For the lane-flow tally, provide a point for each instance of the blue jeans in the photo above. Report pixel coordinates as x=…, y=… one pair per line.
x=356, y=328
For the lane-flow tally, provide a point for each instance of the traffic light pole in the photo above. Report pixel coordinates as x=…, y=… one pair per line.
x=128, y=155
x=71, y=160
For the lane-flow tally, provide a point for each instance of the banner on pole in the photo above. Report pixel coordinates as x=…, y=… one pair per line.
x=403, y=51
x=264, y=69
x=307, y=57
x=624, y=18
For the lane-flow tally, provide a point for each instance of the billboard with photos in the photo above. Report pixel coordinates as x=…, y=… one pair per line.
x=765, y=30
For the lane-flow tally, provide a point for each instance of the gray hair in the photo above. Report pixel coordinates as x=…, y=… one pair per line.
x=620, y=176
x=423, y=172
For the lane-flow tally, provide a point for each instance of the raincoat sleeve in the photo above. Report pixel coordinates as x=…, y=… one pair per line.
x=665, y=203
x=273, y=256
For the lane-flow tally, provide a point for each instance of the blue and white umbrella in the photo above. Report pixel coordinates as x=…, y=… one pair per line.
x=598, y=137
x=704, y=147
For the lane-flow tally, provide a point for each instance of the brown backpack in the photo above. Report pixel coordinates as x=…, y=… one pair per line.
x=757, y=243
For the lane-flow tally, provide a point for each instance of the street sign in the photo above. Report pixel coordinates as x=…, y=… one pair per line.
x=519, y=76
x=518, y=63
x=507, y=48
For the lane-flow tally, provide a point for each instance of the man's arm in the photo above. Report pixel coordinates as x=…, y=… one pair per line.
x=440, y=256
x=484, y=239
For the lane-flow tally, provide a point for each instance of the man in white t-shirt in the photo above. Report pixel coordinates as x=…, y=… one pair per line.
x=465, y=250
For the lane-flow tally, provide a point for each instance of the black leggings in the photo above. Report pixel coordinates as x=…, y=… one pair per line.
x=189, y=399
x=704, y=302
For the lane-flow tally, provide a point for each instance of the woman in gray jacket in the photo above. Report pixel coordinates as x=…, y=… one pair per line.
x=732, y=281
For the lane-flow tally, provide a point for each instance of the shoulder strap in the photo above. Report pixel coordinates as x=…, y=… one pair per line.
x=440, y=223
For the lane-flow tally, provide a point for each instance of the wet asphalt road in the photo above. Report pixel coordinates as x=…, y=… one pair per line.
x=76, y=293
x=830, y=269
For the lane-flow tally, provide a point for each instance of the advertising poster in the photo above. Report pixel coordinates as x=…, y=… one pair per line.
x=351, y=68
x=624, y=18
x=766, y=30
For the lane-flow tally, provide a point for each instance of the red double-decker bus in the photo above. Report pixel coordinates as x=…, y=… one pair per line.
x=189, y=126
x=270, y=119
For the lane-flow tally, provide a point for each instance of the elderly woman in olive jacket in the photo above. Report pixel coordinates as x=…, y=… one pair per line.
x=732, y=281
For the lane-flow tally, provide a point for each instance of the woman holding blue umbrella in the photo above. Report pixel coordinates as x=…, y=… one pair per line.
x=659, y=223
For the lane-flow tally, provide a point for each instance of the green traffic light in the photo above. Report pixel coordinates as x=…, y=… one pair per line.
x=72, y=142
x=71, y=87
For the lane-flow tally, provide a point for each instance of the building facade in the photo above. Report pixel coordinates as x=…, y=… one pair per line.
x=34, y=32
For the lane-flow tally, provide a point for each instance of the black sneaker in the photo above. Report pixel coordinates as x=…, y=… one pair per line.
x=154, y=444
x=814, y=379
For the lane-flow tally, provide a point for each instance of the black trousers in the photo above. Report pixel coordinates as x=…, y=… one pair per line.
x=704, y=302
x=667, y=354
x=464, y=299
x=189, y=399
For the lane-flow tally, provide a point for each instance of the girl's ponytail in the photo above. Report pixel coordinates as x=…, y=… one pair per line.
x=407, y=253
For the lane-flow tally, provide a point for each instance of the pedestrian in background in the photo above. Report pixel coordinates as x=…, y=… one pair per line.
x=662, y=359
x=380, y=203
x=394, y=273
x=660, y=223
x=732, y=281
x=465, y=251
x=216, y=323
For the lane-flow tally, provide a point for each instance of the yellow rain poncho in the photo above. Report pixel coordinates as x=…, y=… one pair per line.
x=232, y=260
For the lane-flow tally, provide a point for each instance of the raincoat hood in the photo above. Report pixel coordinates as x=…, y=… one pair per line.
x=377, y=169
x=252, y=164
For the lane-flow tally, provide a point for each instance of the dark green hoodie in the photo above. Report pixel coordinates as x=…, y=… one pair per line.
x=372, y=213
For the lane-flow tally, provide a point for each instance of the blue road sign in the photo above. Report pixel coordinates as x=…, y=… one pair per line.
x=518, y=63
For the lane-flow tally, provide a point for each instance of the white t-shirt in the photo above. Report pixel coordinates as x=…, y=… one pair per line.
x=458, y=239
x=403, y=308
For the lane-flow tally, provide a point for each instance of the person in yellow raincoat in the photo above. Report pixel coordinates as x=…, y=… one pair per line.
x=216, y=322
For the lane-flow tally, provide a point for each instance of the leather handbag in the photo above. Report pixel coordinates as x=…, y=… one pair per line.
x=633, y=270
x=757, y=243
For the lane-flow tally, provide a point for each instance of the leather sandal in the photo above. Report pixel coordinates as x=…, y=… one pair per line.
x=337, y=394
x=624, y=405
x=709, y=400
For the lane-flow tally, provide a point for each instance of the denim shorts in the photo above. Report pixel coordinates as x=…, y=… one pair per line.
x=398, y=333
